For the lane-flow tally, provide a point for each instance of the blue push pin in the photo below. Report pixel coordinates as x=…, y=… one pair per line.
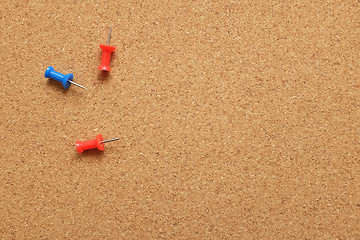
x=66, y=80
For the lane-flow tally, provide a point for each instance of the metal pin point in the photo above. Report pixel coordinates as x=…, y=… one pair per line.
x=109, y=36
x=110, y=140
x=76, y=84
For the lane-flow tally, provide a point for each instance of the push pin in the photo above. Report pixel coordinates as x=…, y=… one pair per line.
x=106, y=55
x=98, y=143
x=66, y=80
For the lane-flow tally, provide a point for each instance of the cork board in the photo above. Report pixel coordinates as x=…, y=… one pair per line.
x=239, y=120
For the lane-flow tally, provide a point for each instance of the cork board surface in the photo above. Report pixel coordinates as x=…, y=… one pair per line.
x=238, y=119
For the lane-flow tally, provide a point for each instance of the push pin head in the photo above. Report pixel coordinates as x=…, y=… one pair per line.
x=95, y=143
x=66, y=80
x=98, y=143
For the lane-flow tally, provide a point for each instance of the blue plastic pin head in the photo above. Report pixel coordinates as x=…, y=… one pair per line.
x=66, y=80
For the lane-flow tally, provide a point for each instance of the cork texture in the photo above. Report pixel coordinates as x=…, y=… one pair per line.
x=238, y=119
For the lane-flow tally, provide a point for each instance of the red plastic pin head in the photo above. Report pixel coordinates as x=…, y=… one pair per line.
x=106, y=55
x=95, y=143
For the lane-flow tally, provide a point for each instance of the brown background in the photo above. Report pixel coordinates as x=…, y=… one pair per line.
x=238, y=120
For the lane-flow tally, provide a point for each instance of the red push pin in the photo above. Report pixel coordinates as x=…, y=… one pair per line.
x=106, y=55
x=98, y=143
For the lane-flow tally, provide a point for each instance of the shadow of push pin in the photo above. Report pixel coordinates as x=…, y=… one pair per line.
x=98, y=143
x=66, y=80
x=106, y=55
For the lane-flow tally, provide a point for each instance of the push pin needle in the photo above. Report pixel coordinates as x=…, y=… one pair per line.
x=109, y=36
x=110, y=140
x=98, y=143
x=76, y=84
